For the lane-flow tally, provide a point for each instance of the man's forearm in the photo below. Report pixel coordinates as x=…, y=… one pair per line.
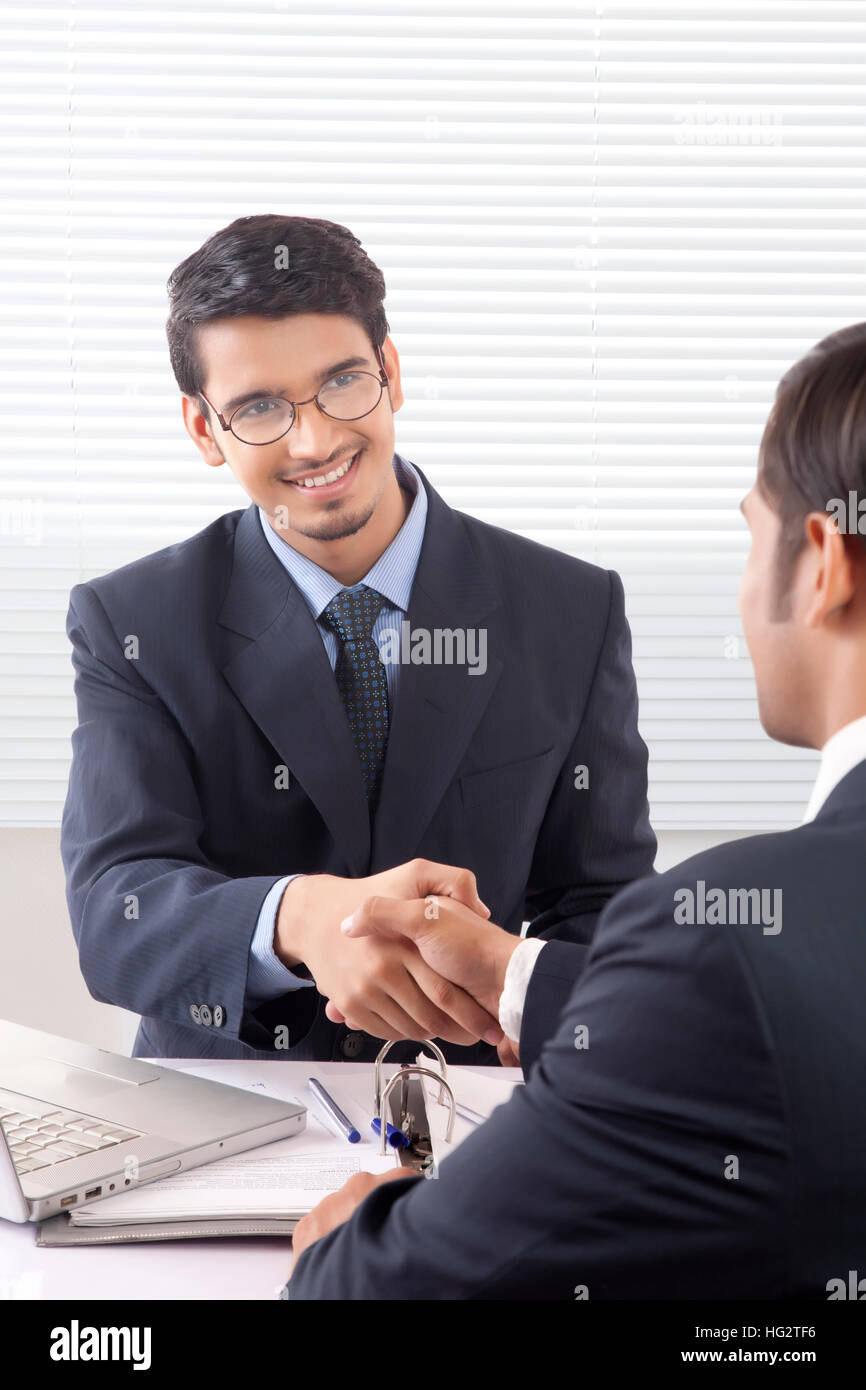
x=145, y=932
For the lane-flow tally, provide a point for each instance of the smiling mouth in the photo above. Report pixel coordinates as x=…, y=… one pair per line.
x=324, y=481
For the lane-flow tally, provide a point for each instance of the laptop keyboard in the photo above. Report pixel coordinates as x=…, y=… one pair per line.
x=37, y=1141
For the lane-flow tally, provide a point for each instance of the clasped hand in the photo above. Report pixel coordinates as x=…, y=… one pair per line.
x=420, y=960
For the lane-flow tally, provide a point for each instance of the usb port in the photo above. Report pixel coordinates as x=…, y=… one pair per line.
x=68, y=1201
x=93, y=1192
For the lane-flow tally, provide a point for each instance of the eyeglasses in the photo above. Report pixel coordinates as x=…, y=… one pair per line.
x=347, y=396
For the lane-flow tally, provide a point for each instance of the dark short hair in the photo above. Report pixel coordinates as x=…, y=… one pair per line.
x=813, y=449
x=236, y=272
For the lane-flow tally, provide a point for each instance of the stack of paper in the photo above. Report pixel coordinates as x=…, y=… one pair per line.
x=284, y=1179
x=476, y=1096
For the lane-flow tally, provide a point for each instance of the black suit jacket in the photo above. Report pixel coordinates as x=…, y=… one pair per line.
x=175, y=827
x=709, y=1142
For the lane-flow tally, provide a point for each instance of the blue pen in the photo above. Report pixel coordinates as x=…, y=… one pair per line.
x=396, y=1138
x=333, y=1110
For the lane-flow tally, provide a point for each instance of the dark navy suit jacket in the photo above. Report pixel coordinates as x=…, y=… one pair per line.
x=709, y=1142
x=176, y=825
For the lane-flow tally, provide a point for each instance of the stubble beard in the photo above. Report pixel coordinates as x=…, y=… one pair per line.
x=336, y=527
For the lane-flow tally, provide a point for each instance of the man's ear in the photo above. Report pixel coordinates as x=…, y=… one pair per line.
x=199, y=432
x=392, y=371
x=834, y=583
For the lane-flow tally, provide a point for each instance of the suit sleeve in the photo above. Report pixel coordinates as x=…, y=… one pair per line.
x=550, y=984
x=609, y=1174
x=596, y=836
x=157, y=926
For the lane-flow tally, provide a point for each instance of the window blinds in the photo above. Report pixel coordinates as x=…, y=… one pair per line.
x=606, y=230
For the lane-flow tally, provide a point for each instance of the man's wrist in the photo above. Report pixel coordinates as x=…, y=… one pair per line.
x=288, y=931
x=505, y=946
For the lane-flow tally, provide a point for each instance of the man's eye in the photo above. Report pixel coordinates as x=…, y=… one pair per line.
x=343, y=379
x=259, y=408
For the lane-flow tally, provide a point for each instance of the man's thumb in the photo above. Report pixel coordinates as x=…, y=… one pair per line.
x=351, y=926
x=366, y=920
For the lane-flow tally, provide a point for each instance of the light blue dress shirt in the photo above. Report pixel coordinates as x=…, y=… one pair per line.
x=392, y=576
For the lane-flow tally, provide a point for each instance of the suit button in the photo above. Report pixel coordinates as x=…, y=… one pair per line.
x=219, y=1015
x=194, y=1013
x=205, y=1015
x=353, y=1045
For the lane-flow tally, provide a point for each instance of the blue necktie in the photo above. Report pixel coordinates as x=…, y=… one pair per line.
x=361, y=678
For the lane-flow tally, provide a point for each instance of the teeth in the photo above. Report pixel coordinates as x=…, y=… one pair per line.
x=332, y=477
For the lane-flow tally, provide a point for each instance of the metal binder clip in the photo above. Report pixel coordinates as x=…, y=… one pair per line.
x=419, y=1141
x=434, y=1048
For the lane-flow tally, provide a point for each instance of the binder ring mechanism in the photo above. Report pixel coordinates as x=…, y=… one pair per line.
x=406, y=1070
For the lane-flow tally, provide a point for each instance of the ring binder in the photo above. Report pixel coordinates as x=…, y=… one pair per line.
x=383, y=1053
x=420, y=1149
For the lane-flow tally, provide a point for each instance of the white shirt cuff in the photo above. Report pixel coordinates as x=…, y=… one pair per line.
x=517, y=977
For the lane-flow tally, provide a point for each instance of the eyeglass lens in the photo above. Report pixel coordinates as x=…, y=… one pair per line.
x=347, y=396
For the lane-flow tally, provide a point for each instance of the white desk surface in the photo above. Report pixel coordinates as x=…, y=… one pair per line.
x=245, y=1267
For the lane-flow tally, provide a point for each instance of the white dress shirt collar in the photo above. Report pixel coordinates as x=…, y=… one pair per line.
x=839, y=756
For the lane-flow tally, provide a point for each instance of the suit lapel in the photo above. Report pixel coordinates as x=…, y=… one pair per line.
x=283, y=678
x=436, y=707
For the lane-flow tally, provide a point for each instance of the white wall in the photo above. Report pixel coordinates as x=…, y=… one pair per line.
x=40, y=982
x=677, y=845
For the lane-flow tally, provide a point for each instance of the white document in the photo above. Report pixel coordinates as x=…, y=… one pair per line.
x=476, y=1096
x=285, y=1179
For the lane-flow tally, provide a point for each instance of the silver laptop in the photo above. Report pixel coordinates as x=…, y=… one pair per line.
x=79, y=1124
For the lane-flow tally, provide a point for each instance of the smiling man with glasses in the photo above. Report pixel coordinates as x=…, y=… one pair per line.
x=249, y=766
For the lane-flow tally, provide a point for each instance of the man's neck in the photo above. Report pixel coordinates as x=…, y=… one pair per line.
x=844, y=684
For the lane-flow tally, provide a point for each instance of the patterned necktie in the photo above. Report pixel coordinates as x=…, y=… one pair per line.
x=361, y=678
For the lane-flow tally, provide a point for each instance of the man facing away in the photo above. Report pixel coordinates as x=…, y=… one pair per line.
x=347, y=688
x=693, y=1125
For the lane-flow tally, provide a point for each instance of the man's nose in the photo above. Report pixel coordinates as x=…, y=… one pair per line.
x=312, y=434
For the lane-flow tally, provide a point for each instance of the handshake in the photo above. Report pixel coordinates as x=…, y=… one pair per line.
x=407, y=953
